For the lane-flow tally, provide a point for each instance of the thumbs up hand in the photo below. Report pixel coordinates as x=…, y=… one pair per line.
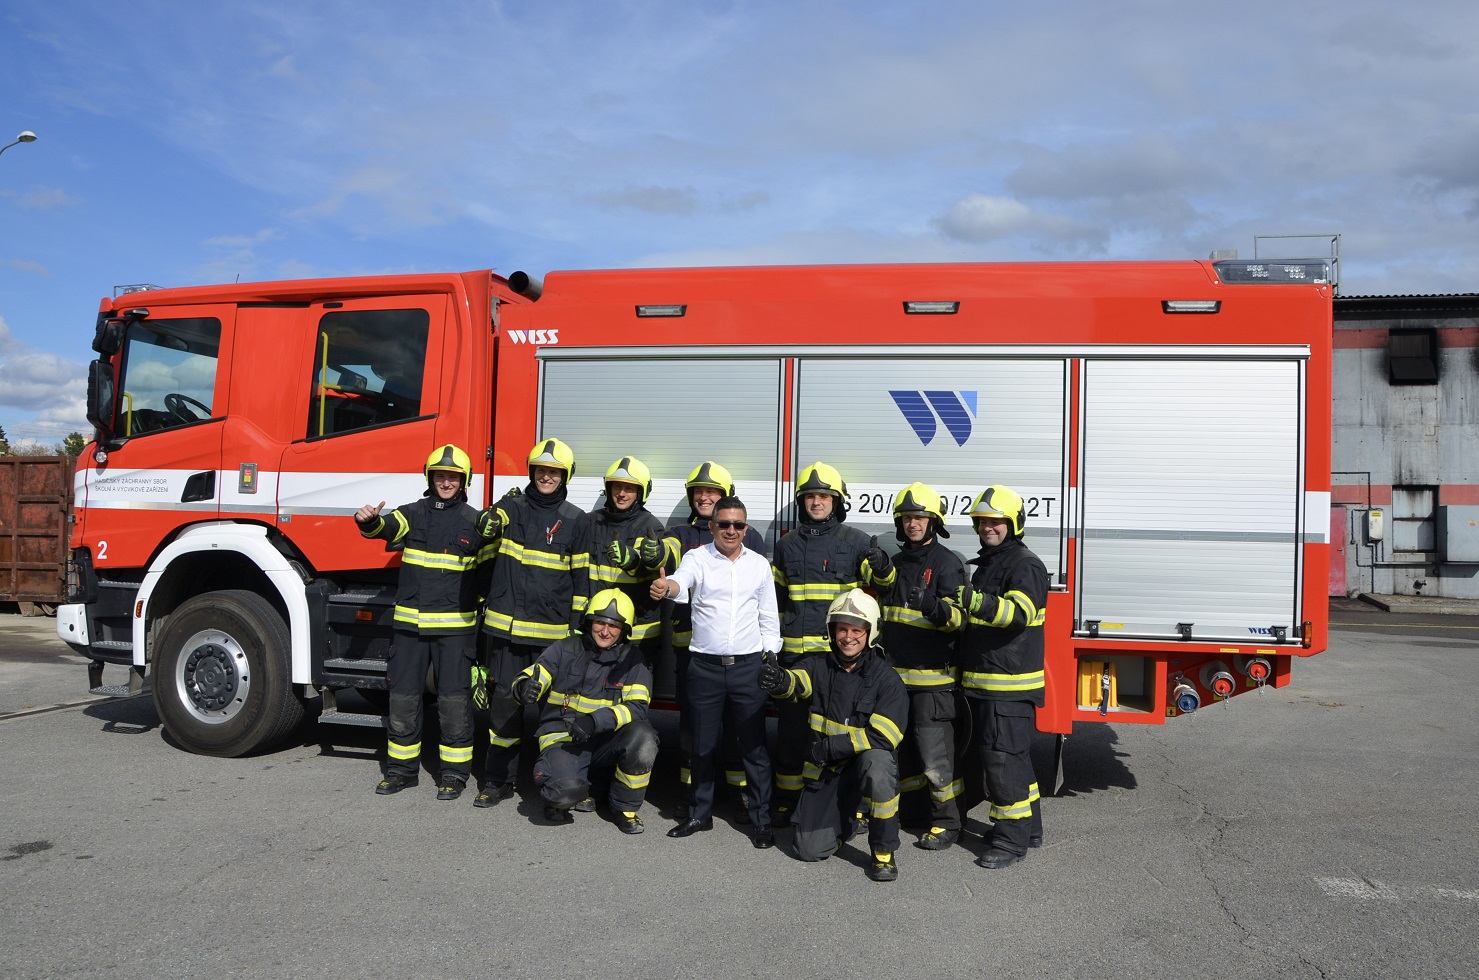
x=876, y=559
x=660, y=585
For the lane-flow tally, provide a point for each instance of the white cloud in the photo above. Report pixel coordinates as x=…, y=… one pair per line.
x=50, y=386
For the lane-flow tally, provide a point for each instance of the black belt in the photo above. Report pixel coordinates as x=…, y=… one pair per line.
x=722, y=661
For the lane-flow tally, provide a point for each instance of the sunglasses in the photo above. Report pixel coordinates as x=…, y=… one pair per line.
x=726, y=525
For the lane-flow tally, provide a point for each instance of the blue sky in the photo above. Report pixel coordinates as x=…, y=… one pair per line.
x=182, y=143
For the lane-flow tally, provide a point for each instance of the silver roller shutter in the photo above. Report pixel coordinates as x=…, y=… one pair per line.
x=1189, y=493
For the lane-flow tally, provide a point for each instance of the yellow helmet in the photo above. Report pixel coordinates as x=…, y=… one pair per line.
x=709, y=474
x=612, y=606
x=821, y=478
x=918, y=498
x=1000, y=501
x=856, y=608
x=554, y=454
x=630, y=469
x=451, y=459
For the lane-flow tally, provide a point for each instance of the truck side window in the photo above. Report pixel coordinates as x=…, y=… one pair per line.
x=168, y=377
x=367, y=369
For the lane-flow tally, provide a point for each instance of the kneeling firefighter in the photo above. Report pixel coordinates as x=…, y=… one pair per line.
x=859, y=709
x=594, y=691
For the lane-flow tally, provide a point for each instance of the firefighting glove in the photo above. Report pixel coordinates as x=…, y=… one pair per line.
x=480, y=687
x=621, y=556
x=581, y=727
x=650, y=552
x=489, y=523
x=829, y=749
x=969, y=599
x=773, y=678
x=524, y=689
x=877, y=558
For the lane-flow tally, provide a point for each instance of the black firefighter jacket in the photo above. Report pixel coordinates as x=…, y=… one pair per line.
x=443, y=572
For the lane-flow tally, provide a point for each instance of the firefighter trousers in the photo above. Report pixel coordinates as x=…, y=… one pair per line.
x=734, y=764
x=728, y=694
x=505, y=662
x=563, y=771
x=792, y=737
x=829, y=803
x=1003, y=733
x=451, y=658
x=927, y=757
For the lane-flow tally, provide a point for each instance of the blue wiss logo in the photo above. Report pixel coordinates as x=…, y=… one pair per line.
x=955, y=410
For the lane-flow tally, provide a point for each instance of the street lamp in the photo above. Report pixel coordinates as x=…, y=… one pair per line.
x=26, y=136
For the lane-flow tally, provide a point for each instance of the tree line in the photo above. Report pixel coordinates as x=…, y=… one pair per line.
x=70, y=447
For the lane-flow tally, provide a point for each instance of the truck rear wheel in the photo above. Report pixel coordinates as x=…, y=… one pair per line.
x=223, y=676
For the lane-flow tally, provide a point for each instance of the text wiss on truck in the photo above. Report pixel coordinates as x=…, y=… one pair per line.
x=1167, y=423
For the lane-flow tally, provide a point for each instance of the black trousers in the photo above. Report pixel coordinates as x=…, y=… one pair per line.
x=927, y=757
x=734, y=765
x=1003, y=733
x=563, y=771
x=830, y=801
x=505, y=662
x=720, y=695
x=792, y=739
x=451, y=657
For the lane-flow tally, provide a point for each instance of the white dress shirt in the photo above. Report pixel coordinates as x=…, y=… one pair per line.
x=734, y=610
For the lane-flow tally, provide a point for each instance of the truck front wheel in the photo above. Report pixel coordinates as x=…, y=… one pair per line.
x=223, y=676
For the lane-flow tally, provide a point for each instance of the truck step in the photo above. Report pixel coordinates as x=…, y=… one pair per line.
x=113, y=645
x=351, y=718
x=114, y=691
x=367, y=665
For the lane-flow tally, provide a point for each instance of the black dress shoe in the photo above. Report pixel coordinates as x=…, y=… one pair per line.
x=762, y=838
x=690, y=827
x=998, y=859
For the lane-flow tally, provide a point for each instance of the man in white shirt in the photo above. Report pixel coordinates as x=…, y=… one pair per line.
x=735, y=625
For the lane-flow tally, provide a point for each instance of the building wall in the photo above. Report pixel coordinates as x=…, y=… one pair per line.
x=1406, y=450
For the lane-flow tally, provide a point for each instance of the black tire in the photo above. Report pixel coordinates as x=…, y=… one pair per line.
x=223, y=675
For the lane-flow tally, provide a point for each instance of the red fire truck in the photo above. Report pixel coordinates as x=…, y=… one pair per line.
x=1168, y=424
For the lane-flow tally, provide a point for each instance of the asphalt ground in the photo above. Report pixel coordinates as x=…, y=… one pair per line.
x=1321, y=830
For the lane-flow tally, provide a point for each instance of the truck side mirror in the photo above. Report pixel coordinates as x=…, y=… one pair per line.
x=109, y=336
x=101, y=397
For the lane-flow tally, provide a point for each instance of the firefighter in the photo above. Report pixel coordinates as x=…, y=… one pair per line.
x=627, y=548
x=594, y=690
x=538, y=591
x=815, y=563
x=435, y=621
x=706, y=485
x=919, y=631
x=1001, y=660
x=858, y=710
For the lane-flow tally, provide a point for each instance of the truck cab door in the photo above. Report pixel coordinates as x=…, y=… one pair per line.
x=160, y=471
x=364, y=409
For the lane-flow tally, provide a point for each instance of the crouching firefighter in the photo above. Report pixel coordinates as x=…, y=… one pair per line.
x=859, y=710
x=436, y=619
x=593, y=689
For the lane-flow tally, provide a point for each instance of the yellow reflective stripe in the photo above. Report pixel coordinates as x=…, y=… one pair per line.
x=1032, y=794
x=883, y=809
x=817, y=591
x=402, y=526
x=809, y=771
x=805, y=644
x=905, y=616
x=553, y=738
x=580, y=702
x=581, y=559
x=499, y=742
x=859, y=740
x=778, y=576
x=534, y=557
x=623, y=714
x=636, y=692
x=949, y=792
x=911, y=783
x=882, y=581
x=685, y=776
x=736, y=778
x=402, y=752
x=1012, y=811
x=612, y=575
x=455, y=753
x=374, y=529
x=1028, y=607
x=885, y=727
x=523, y=627
x=791, y=782
x=1003, y=682
x=633, y=780
x=644, y=631
x=434, y=620
x=926, y=677
x=579, y=603
x=432, y=559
